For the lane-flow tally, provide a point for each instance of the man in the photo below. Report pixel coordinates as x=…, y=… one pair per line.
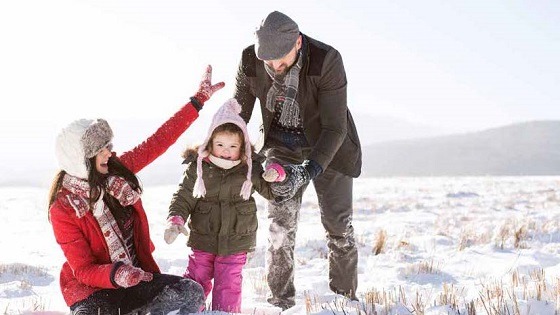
x=307, y=127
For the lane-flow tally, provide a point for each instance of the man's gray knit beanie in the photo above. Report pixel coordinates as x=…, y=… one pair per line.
x=276, y=36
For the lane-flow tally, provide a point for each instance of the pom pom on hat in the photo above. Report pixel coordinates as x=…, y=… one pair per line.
x=227, y=113
x=79, y=141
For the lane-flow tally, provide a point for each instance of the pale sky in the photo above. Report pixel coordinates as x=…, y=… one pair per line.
x=457, y=65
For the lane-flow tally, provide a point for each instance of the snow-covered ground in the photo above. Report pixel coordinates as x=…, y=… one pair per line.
x=445, y=246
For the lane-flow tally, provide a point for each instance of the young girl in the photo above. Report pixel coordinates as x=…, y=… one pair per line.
x=99, y=221
x=215, y=197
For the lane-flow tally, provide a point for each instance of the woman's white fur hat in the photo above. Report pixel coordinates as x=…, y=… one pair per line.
x=78, y=142
x=228, y=113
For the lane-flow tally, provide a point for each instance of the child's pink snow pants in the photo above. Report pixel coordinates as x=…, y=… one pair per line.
x=226, y=272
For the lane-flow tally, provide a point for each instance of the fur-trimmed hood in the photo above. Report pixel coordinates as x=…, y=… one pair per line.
x=190, y=154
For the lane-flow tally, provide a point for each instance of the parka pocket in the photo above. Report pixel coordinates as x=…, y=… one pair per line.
x=200, y=221
x=348, y=158
x=246, y=221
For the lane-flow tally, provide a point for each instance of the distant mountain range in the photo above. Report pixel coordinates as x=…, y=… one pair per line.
x=531, y=148
x=375, y=129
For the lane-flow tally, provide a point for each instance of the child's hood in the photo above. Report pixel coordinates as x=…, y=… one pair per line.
x=190, y=154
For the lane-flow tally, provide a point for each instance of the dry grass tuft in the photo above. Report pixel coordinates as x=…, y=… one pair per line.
x=519, y=237
x=423, y=267
x=257, y=280
x=449, y=296
x=23, y=269
x=380, y=242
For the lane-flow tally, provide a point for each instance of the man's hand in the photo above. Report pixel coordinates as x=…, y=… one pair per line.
x=297, y=176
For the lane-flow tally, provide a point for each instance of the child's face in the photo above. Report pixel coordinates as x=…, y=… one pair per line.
x=227, y=146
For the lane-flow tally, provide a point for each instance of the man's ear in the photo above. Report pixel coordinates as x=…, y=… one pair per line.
x=298, y=42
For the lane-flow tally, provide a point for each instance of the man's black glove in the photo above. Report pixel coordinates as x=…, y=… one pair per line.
x=297, y=175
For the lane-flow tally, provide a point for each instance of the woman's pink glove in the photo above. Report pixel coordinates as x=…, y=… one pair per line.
x=274, y=173
x=128, y=276
x=206, y=89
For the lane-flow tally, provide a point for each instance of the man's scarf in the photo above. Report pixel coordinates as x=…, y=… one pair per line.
x=284, y=88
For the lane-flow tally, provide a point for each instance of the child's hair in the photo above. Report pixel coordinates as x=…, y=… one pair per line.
x=228, y=128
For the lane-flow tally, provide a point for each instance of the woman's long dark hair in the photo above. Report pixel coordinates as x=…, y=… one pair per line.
x=97, y=180
x=55, y=186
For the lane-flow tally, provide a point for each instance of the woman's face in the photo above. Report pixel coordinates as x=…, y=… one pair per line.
x=102, y=158
x=227, y=146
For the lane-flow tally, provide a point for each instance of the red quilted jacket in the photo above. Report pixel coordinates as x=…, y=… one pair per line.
x=88, y=266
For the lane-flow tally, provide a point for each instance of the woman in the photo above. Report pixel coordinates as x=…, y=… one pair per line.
x=99, y=221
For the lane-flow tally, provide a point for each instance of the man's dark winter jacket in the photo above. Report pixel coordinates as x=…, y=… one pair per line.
x=327, y=122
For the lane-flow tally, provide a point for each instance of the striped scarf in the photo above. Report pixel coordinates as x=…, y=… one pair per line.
x=79, y=200
x=284, y=89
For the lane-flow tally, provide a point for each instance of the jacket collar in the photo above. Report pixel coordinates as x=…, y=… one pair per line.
x=305, y=53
